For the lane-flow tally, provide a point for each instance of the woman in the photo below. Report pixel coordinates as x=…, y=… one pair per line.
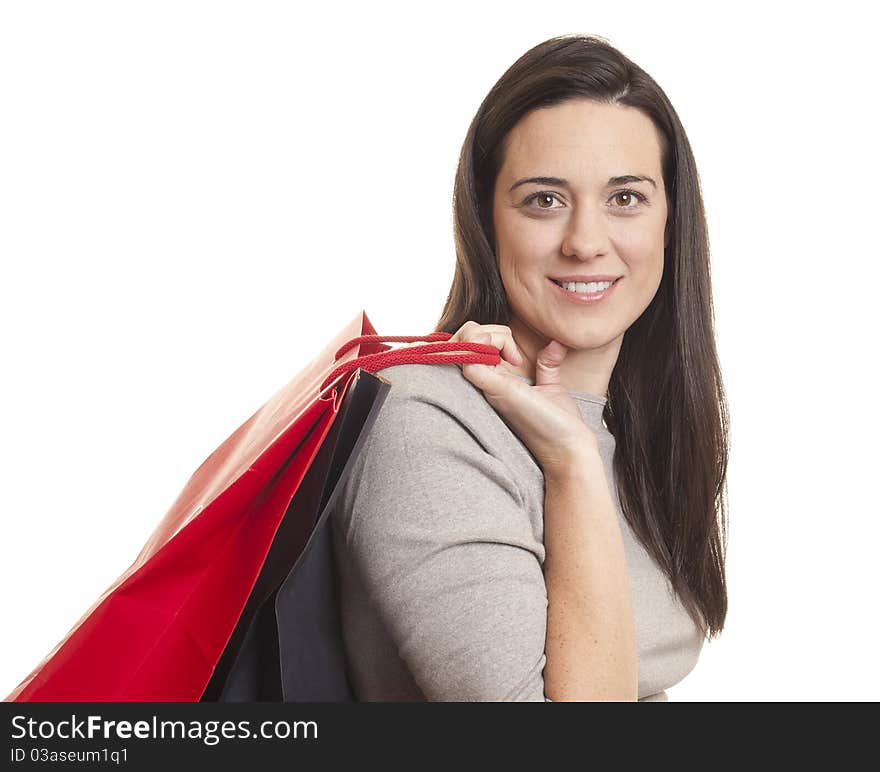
x=551, y=528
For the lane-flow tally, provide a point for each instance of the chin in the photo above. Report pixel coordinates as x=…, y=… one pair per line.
x=585, y=341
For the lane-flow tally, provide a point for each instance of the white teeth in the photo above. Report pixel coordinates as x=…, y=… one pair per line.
x=586, y=288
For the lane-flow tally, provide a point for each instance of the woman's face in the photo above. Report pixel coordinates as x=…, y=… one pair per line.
x=582, y=223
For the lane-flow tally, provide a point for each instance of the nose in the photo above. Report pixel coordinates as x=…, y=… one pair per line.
x=586, y=233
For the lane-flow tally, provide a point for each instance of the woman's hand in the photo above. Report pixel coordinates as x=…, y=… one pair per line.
x=543, y=416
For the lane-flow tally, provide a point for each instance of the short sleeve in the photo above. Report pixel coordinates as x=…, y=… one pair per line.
x=440, y=536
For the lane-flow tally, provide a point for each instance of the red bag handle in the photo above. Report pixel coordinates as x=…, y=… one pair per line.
x=482, y=353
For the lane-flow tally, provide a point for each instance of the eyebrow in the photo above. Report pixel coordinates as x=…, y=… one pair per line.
x=621, y=180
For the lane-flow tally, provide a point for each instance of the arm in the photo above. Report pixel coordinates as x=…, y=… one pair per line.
x=591, y=652
x=440, y=536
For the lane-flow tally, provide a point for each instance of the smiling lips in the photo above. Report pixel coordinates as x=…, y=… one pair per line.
x=584, y=297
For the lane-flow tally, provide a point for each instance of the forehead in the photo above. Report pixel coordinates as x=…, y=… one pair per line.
x=584, y=139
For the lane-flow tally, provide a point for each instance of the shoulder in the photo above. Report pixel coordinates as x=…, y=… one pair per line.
x=434, y=408
x=434, y=395
x=437, y=465
x=434, y=422
x=441, y=383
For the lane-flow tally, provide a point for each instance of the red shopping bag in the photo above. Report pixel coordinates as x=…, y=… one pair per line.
x=157, y=633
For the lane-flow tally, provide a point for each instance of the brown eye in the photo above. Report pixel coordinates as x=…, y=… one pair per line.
x=629, y=196
x=544, y=197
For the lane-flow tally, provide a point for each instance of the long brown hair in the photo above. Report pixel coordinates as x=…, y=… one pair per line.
x=666, y=403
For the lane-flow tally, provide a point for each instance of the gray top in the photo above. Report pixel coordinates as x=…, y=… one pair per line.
x=438, y=538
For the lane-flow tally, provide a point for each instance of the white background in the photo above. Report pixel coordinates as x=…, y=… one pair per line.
x=195, y=197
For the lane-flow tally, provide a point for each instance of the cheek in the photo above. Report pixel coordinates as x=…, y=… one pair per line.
x=524, y=236
x=519, y=265
x=645, y=274
x=511, y=270
x=645, y=262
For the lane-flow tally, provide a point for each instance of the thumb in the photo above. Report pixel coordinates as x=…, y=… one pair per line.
x=548, y=364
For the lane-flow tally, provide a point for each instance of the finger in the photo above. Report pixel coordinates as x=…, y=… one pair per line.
x=510, y=351
x=548, y=364
x=482, y=376
x=500, y=337
x=460, y=333
x=492, y=380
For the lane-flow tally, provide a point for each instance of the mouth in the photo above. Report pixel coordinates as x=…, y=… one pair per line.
x=559, y=282
x=597, y=290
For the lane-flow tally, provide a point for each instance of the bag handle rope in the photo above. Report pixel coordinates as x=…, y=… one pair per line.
x=433, y=353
